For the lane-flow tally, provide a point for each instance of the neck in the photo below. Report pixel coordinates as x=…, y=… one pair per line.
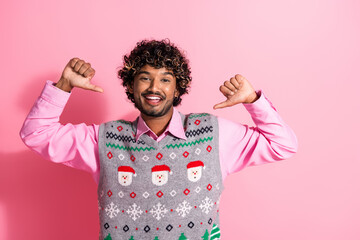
x=158, y=124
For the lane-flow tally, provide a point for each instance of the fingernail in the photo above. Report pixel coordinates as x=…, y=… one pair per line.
x=232, y=93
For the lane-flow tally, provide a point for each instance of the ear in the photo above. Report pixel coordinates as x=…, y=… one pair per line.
x=177, y=93
x=130, y=87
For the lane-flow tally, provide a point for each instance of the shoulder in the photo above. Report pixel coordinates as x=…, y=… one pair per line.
x=200, y=119
x=200, y=116
x=118, y=125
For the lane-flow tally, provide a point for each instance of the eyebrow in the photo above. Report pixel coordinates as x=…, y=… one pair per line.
x=164, y=73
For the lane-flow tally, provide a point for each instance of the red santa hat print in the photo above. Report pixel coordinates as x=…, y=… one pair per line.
x=195, y=164
x=160, y=168
x=127, y=169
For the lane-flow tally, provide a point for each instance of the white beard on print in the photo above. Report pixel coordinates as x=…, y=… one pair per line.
x=160, y=178
x=194, y=173
x=125, y=178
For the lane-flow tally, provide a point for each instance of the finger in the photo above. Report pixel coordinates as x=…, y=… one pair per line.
x=78, y=65
x=226, y=91
x=73, y=62
x=84, y=67
x=221, y=105
x=230, y=86
x=239, y=78
x=98, y=89
x=89, y=73
x=94, y=88
x=235, y=83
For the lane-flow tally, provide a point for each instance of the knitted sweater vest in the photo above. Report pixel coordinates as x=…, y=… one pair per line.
x=167, y=190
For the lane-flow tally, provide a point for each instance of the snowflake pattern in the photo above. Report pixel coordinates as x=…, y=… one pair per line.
x=183, y=208
x=112, y=210
x=158, y=211
x=134, y=212
x=206, y=205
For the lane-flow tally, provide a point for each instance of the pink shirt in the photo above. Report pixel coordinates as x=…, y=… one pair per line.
x=77, y=145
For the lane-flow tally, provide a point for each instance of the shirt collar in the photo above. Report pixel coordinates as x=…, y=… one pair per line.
x=175, y=127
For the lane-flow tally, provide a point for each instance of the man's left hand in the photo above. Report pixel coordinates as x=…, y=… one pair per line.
x=237, y=90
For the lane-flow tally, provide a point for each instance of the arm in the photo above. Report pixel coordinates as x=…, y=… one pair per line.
x=270, y=141
x=72, y=145
x=240, y=145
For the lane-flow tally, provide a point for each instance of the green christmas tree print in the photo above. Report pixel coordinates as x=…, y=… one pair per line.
x=132, y=238
x=205, y=236
x=182, y=237
x=215, y=232
x=156, y=238
x=108, y=237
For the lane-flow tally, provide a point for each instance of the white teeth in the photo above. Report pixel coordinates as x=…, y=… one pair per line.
x=153, y=98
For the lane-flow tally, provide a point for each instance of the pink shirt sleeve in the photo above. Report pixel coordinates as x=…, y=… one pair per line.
x=72, y=145
x=77, y=145
x=270, y=141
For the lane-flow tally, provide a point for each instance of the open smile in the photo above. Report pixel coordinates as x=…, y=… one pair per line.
x=153, y=99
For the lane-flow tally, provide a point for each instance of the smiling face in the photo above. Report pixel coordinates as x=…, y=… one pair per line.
x=125, y=178
x=154, y=91
x=194, y=174
x=159, y=178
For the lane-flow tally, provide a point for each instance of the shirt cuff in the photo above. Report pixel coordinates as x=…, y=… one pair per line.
x=54, y=95
x=261, y=103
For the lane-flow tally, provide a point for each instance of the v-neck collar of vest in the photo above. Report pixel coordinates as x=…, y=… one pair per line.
x=163, y=142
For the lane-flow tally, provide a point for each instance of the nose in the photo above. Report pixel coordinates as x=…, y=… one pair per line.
x=154, y=85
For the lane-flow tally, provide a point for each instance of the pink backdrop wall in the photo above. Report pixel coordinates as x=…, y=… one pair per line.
x=304, y=55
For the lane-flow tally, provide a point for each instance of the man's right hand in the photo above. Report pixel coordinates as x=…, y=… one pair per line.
x=77, y=73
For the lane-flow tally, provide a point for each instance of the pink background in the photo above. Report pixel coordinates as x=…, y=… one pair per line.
x=304, y=55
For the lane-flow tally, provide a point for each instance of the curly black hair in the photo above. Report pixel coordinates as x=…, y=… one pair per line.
x=157, y=54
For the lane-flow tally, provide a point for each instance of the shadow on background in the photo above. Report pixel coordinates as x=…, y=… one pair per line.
x=45, y=200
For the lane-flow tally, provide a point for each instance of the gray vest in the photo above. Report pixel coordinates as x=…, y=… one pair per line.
x=165, y=190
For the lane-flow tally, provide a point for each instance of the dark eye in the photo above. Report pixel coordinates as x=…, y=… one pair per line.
x=165, y=80
x=144, y=78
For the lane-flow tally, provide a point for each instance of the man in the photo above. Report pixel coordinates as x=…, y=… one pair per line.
x=160, y=176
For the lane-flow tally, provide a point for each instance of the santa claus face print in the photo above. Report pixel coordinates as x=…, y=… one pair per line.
x=160, y=178
x=125, y=175
x=194, y=173
x=125, y=178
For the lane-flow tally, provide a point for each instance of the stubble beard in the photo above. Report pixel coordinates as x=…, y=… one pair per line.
x=154, y=112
